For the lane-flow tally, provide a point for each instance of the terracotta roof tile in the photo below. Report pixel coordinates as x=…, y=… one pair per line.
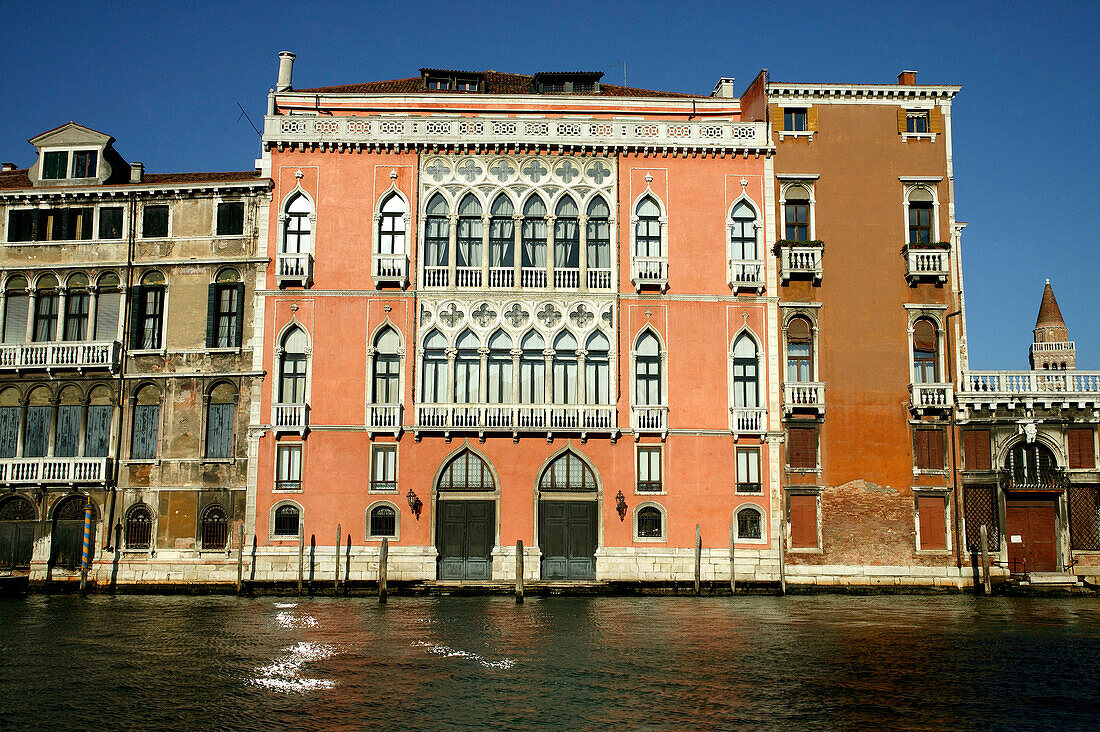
x=1049, y=313
x=18, y=179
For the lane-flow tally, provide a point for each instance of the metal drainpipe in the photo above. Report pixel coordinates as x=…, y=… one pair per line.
x=125, y=315
x=959, y=549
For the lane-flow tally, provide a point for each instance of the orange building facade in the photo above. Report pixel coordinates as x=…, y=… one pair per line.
x=507, y=308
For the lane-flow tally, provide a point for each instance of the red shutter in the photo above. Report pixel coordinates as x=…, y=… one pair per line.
x=803, y=522
x=928, y=449
x=933, y=530
x=802, y=447
x=976, y=450
x=1082, y=453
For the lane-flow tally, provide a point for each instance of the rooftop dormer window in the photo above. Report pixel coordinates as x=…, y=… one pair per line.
x=567, y=82
x=55, y=164
x=84, y=163
x=448, y=80
x=439, y=84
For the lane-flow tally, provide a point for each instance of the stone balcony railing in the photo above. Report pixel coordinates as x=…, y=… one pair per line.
x=1011, y=388
x=488, y=131
x=54, y=470
x=471, y=278
x=384, y=418
x=746, y=420
x=580, y=418
x=1050, y=479
x=290, y=417
x=927, y=263
x=925, y=397
x=1049, y=346
x=800, y=260
x=649, y=272
x=390, y=269
x=293, y=269
x=61, y=356
x=804, y=396
x=649, y=419
x=745, y=275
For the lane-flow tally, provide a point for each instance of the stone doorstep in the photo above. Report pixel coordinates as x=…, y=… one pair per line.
x=1048, y=579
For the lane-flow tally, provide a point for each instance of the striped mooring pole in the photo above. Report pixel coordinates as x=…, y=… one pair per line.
x=86, y=558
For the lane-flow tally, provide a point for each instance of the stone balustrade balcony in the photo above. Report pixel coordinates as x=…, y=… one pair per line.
x=804, y=396
x=515, y=418
x=293, y=269
x=992, y=389
x=290, y=418
x=748, y=420
x=392, y=269
x=930, y=263
x=384, y=418
x=800, y=260
x=649, y=272
x=745, y=275
x=54, y=470
x=649, y=419
x=1053, y=346
x=931, y=397
x=61, y=356
x=538, y=278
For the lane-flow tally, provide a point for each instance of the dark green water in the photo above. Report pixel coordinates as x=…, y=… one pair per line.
x=564, y=663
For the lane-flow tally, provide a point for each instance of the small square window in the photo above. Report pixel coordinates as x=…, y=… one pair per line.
x=84, y=163
x=441, y=84
x=384, y=468
x=382, y=523
x=110, y=223
x=154, y=222
x=231, y=218
x=650, y=523
x=288, y=468
x=748, y=470
x=466, y=85
x=928, y=452
x=916, y=121
x=649, y=470
x=794, y=119
x=55, y=165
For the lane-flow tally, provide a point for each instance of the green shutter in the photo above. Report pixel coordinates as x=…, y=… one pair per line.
x=137, y=315
x=212, y=316
x=239, y=331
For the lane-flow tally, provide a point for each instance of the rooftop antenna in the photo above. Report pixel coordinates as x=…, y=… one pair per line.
x=245, y=115
x=623, y=62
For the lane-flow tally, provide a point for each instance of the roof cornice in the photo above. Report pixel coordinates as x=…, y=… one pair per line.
x=779, y=91
x=113, y=191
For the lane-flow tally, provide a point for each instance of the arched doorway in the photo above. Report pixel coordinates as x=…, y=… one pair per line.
x=17, y=519
x=67, y=542
x=465, y=523
x=1033, y=485
x=568, y=519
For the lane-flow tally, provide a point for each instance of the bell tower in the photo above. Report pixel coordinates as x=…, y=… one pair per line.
x=1052, y=348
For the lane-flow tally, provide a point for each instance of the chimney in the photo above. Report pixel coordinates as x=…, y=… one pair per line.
x=137, y=172
x=286, y=67
x=724, y=88
x=907, y=78
x=7, y=167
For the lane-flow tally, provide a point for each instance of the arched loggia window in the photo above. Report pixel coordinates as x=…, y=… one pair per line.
x=599, y=241
x=468, y=241
x=597, y=370
x=434, y=381
x=299, y=227
x=502, y=243
x=532, y=370
x=925, y=352
x=500, y=368
x=437, y=232
x=292, y=367
x=800, y=350
x=743, y=245
x=533, y=254
x=467, y=374
x=387, y=367
x=567, y=243
x=647, y=371
x=391, y=227
x=564, y=376
x=746, y=378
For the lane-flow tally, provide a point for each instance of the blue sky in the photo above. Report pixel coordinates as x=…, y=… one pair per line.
x=165, y=80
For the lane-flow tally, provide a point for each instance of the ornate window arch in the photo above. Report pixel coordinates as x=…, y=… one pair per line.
x=383, y=521
x=570, y=473
x=567, y=242
x=467, y=368
x=926, y=348
x=745, y=370
x=139, y=527
x=801, y=349
x=437, y=241
x=285, y=520
x=293, y=354
x=533, y=235
x=214, y=528
x=433, y=381
x=499, y=379
x=597, y=369
x=466, y=471
x=751, y=527
x=563, y=377
x=299, y=219
x=650, y=522
x=745, y=253
x=649, y=369
x=386, y=356
x=393, y=226
x=502, y=241
x=650, y=248
x=468, y=241
x=921, y=213
x=17, y=508
x=797, y=209
x=598, y=243
x=532, y=369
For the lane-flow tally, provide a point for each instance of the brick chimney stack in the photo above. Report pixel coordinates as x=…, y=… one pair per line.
x=907, y=78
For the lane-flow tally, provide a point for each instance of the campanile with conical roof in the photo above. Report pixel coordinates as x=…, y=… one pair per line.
x=1052, y=348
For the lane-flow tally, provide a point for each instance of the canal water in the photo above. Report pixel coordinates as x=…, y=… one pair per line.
x=820, y=662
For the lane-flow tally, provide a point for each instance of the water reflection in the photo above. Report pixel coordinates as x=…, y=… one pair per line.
x=577, y=663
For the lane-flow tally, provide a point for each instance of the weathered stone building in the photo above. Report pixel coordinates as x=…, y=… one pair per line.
x=126, y=364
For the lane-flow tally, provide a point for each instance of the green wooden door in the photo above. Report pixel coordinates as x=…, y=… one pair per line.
x=567, y=538
x=16, y=544
x=464, y=536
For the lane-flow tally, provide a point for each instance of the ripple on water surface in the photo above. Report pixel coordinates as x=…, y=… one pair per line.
x=578, y=663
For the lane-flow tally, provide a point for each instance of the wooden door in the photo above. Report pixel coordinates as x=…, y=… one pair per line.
x=464, y=536
x=67, y=544
x=1032, y=535
x=16, y=544
x=567, y=538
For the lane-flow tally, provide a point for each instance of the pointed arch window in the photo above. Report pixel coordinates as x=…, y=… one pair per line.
x=647, y=232
x=299, y=225
x=391, y=226
x=568, y=473
x=746, y=378
x=743, y=244
x=533, y=240
x=467, y=374
x=598, y=243
x=925, y=352
x=502, y=240
x=921, y=224
x=597, y=370
x=499, y=380
x=532, y=369
x=387, y=367
x=564, y=376
x=434, y=381
x=468, y=240
x=567, y=238
x=800, y=350
x=647, y=371
x=437, y=232
x=292, y=367
x=467, y=472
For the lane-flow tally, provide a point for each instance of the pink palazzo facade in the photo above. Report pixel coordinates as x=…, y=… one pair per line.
x=507, y=308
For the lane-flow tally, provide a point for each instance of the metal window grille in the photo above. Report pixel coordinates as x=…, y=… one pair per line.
x=286, y=521
x=1084, y=518
x=649, y=523
x=139, y=528
x=383, y=522
x=748, y=524
x=981, y=508
x=215, y=527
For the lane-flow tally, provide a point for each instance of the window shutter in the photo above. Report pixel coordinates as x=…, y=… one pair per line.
x=15, y=318
x=212, y=313
x=68, y=430
x=903, y=119
x=933, y=529
x=106, y=316
x=935, y=121
x=98, y=436
x=9, y=431
x=803, y=518
x=777, y=119
x=811, y=119
x=137, y=316
x=935, y=449
x=1082, y=452
x=239, y=316
x=976, y=450
x=802, y=447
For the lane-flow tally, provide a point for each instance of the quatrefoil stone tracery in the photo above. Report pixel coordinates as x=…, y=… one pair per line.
x=451, y=316
x=581, y=317
x=549, y=315
x=484, y=315
x=516, y=315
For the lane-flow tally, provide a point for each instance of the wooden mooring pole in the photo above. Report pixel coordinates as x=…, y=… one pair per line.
x=240, y=556
x=782, y=557
x=301, y=555
x=383, y=560
x=733, y=554
x=987, y=584
x=339, y=538
x=347, y=565
x=519, y=571
x=698, y=558
x=85, y=558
